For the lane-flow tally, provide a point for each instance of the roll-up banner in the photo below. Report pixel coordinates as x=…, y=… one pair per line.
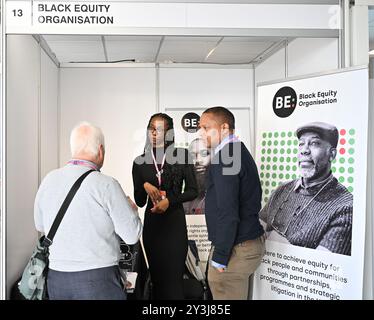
x=311, y=151
x=186, y=126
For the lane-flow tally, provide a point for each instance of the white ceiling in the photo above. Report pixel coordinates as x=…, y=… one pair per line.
x=223, y=50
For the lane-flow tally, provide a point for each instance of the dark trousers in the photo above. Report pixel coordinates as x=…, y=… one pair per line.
x=95, y=284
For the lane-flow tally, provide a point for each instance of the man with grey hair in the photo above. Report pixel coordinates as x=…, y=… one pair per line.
x=314, y=211
x=84, y=255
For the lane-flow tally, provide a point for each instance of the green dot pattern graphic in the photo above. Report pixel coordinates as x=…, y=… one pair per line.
x=279, y=164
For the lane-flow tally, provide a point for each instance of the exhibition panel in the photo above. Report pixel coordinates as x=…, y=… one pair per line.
x=314, y=248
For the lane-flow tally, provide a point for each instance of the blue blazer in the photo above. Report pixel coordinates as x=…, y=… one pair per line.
x=233, y=200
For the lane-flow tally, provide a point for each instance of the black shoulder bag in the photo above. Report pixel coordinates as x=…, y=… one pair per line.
x=33, y=284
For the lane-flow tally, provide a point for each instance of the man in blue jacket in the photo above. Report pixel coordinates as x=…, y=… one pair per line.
x=232, y=204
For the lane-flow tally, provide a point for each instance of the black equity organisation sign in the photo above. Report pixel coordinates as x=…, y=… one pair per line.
x=90, y=17
x=61, y=13
x=37, y=14
x=286, y=100
x=74, y=13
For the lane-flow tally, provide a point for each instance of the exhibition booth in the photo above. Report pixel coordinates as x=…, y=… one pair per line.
x=115, y=63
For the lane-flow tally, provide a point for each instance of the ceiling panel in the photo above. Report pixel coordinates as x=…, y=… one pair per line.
x=186, y=49
x=72, y=38
x=76, y=48
x=133, y=38
x=142, y=49
x=237, y=50
x=145, y=48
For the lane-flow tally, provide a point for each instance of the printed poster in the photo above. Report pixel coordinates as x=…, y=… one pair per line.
x=311, y=152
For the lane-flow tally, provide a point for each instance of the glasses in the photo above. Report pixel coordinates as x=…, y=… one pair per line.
x=157, y=130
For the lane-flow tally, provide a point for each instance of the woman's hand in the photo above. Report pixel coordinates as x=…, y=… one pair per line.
x=161, y=206
x=152, y=192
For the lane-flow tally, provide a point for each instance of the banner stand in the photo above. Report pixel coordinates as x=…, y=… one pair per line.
x=311, y=151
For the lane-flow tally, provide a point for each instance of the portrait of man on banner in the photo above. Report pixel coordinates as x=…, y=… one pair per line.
x=201, y=156
x=314, y=211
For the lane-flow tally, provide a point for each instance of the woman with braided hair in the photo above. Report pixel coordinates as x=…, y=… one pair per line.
x=158, y=176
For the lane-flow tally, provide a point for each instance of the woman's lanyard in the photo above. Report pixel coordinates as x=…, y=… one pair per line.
x=84, y=163
x=159, y=172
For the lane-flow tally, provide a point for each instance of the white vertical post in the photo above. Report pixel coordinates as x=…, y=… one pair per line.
x=252, y=114
x=359, y=51
x=59, y=126
x=157, y=74
x=346, y=33
x=286, y=59
x=3, y=157
x=359, y=35
x=368, y=289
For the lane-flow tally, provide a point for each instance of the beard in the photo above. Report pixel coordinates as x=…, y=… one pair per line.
x=308, y=173
x=200, y=179
x=314, y=172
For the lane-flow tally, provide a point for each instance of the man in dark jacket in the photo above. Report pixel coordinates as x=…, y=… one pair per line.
x=232, y=204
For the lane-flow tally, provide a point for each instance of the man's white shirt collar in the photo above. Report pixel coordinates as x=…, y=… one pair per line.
x=228, y=139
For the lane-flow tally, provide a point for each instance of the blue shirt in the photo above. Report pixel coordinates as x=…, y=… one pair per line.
x=217, y=265
x=228, y=139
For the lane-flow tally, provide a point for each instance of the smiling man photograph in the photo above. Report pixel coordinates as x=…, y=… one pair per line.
x=315, y=210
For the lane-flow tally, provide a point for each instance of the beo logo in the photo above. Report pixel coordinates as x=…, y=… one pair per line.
x=284, y=102
x=190, y=122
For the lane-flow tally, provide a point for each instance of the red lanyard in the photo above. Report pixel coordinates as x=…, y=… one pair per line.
x=159, y=172
x=199, y=207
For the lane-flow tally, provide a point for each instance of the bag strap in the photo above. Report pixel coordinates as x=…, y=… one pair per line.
x=47, y=241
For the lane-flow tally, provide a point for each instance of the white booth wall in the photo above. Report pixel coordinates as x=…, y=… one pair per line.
x=301, y=56
x=45, y=102
x=32, y=145
x=121, y=101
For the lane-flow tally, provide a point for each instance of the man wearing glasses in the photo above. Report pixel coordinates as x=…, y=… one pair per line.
x=314, y=211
